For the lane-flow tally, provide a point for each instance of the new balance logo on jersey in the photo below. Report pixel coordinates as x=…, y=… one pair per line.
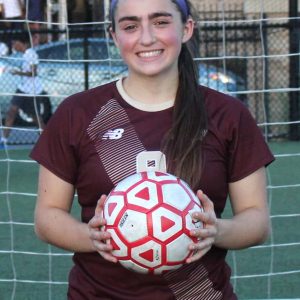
x=113, y=134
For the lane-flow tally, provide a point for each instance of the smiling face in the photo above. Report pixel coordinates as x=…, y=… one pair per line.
x=150, y=34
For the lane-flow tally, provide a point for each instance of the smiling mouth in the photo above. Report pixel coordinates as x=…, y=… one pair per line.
x=150, y=54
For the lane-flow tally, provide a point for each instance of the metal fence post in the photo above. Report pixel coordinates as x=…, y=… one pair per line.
x=86, y=57
x=294, y=95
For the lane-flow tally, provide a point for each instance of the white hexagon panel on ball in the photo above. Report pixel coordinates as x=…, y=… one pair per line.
x=144, y=195
x=148, y=254
x=176, y=196
x=177, y=250
x=133, y=225
x=130, y=181
x=166, y=223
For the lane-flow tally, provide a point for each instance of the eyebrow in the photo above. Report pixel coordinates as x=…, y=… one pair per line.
x=151, y=17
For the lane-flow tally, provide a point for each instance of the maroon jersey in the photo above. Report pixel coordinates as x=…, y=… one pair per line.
x=92, y=142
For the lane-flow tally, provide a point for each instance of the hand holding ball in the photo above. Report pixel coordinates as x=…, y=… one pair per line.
x=148, y=215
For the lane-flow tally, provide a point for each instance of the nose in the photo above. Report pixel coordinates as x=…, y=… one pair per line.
x=147, y=36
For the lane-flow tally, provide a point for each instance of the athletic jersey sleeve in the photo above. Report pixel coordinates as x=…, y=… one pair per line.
x=55, y=149
x=248, y=150
x=234, y=145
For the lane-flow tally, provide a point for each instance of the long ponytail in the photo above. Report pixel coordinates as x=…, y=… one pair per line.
x=182, y=144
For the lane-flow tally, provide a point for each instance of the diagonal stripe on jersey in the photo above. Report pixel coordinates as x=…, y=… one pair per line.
x=196, y=286
x=118, y=156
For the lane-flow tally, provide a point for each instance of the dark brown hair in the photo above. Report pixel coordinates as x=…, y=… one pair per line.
x=182, y=144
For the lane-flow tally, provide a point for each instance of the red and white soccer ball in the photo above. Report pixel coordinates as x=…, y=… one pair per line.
x=149, y=217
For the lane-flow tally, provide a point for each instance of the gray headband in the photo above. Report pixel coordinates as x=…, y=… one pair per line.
x=181, y=3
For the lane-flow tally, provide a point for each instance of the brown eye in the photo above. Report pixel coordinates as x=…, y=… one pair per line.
x=161, y=23
x=129, y=28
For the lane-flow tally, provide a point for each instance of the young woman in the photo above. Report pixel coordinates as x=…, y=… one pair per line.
x=209, y=139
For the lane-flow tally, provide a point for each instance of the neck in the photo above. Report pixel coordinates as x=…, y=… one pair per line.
x=151, y=90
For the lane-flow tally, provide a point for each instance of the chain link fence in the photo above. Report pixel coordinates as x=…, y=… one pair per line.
x=257, y=49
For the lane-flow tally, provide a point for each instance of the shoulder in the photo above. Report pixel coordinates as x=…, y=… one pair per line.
x=99, y=94
x=214, y=100
x=88, y=102
x=227, y=115
x=224, y=106
x=75, y=113
x=30, y=54
x=30, y=51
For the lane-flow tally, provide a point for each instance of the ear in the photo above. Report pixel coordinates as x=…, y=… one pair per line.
x=188, y=30
x=113, y=35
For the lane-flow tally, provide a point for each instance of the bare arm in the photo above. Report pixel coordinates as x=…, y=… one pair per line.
x=55, y=225
x=53, y=221
x=250, y=222
x=31, y=73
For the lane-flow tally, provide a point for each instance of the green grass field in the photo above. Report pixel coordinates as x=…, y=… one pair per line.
x=26, y=269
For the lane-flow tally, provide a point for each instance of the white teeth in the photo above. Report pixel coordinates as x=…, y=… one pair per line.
x=150, y=53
